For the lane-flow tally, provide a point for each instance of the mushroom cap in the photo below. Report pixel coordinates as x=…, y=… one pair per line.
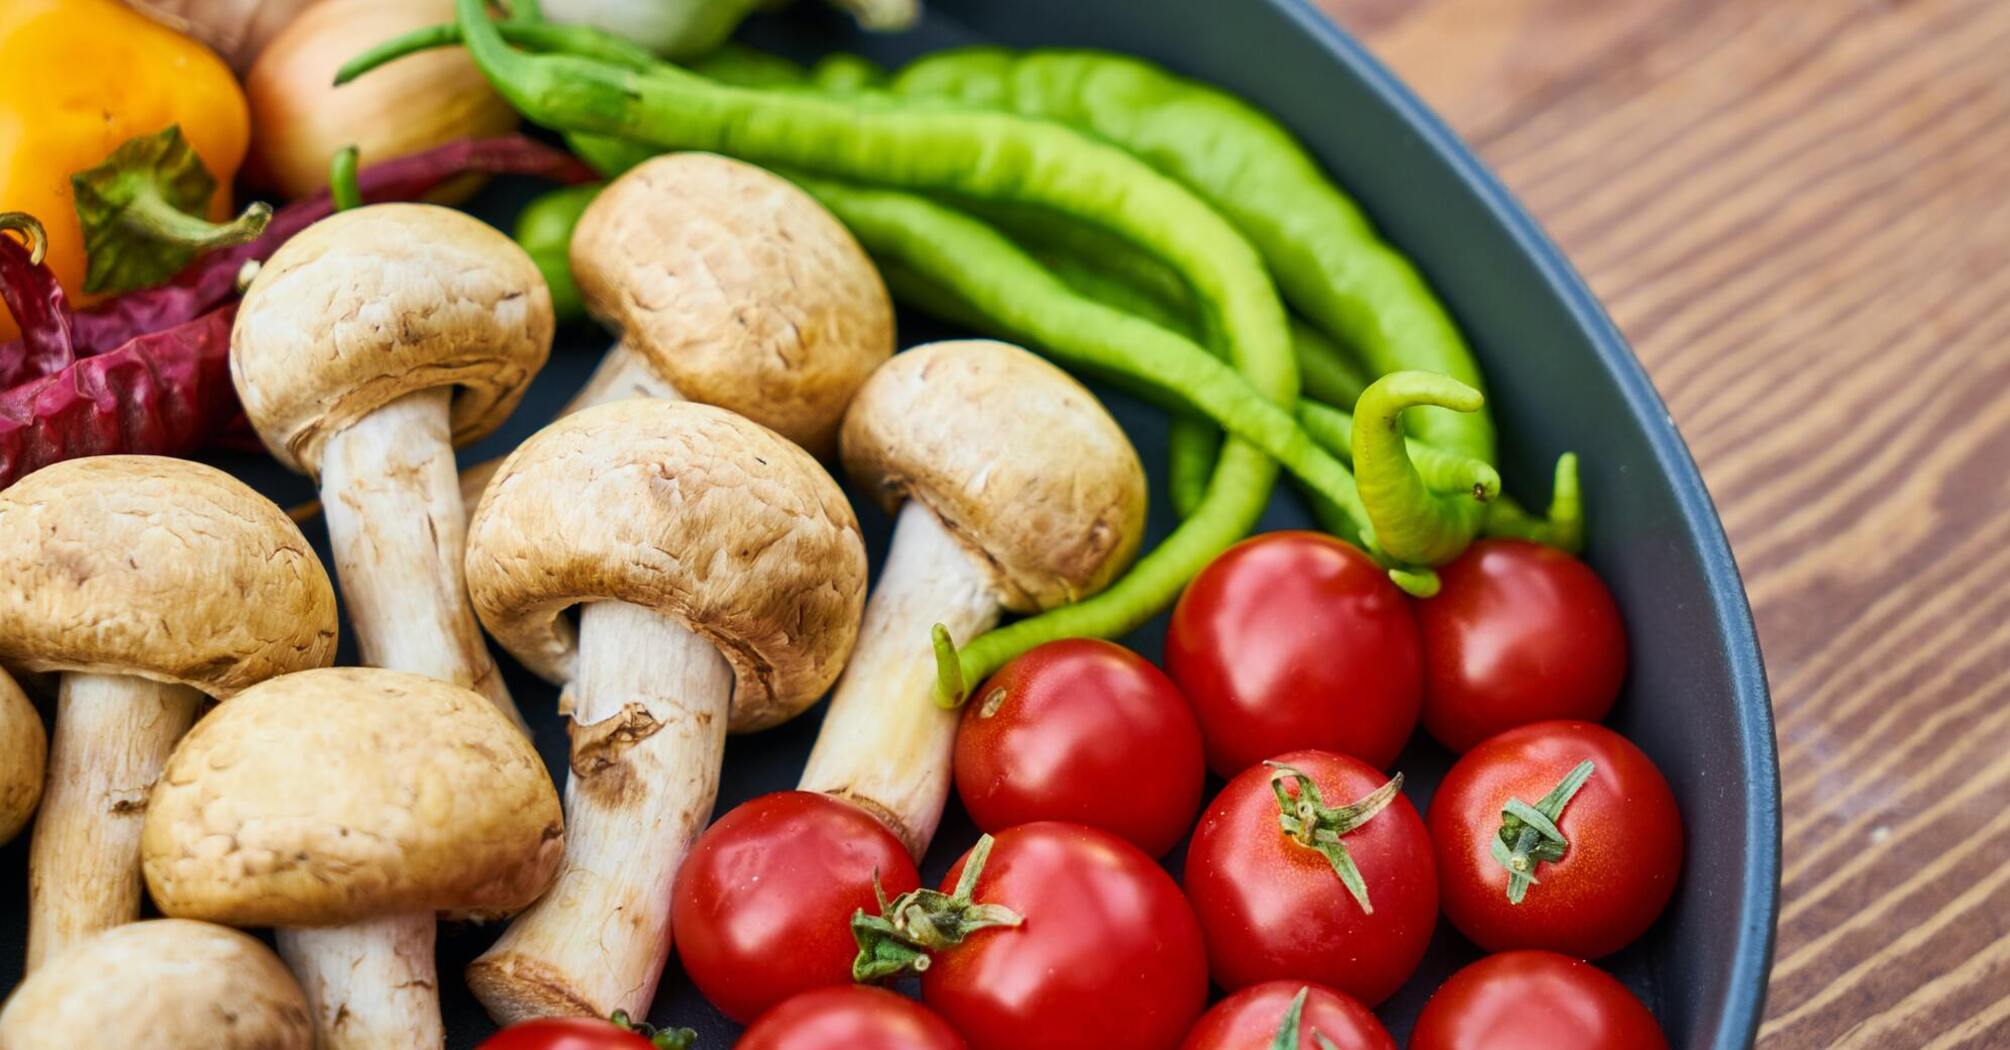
x=374, y=303
x=334, y=796
x=690, y=510
x=24, y=753
x=159, y=568
x=737, y=287
x=1017, y=460
x=161, y=983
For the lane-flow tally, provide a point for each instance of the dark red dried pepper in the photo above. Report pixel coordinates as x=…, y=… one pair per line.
x=149, y=371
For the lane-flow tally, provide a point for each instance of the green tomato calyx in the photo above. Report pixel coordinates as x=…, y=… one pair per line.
x=1311, y=823
x=1529, y=835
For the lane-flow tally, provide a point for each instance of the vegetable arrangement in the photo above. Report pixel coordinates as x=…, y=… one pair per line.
x=675, y=555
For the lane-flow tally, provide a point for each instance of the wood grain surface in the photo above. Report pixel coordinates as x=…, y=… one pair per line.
x=1799, y=212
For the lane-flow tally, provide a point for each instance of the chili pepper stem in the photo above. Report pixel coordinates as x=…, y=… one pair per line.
x=30, y=232
x=112, y=737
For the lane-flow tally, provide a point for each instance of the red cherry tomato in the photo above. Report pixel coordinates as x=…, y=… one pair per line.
x=1108, y=955
x=853, y=1017
x=1623, y=835
x=762, y=905
x=1249, y=1020
x=1517, y=633
x=1534, y=1001
x=1275, y=909
x=1086, y=731
x=566, y=1033
x=1293, y=640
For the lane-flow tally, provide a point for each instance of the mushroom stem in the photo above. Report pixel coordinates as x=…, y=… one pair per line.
x=370, y=985
x=622, y=374
x=113, y=736
x=885, y=744
x=651, y=701
x=398, y=530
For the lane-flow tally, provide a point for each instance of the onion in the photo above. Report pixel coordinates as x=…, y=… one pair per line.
x=235, y=29
x=299, y=119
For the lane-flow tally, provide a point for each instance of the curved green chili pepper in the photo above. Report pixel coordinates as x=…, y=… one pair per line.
x=1412, y=522
x=1325, y=255
x=1444, y=473
x=1562, y=528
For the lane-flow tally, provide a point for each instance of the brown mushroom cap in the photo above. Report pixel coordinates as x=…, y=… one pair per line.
x=159, y=568
x=24, y=753
x=164, y=983
x=739, y=288
x=339, y=795
x=682, y=508
x=374, y=303
x=1015, y=458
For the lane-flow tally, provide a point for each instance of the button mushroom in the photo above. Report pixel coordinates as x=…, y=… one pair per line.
x=719, y=574
x=730, y=287
x=358, y=802
x=163, y=984
x=367, y=348
x=147, y=582
x=23, y=752
x=1016, y=491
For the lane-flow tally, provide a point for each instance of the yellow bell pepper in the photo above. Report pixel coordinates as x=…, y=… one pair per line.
x=80, y=77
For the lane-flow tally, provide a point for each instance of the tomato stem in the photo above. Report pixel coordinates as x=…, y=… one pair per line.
x=897, y=940
x=660, y=1038
x=1311, y=823
x=1529, y=834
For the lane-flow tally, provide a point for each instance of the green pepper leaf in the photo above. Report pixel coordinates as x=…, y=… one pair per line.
x=142, y=213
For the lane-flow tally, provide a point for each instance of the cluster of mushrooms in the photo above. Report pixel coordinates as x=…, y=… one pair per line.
x=671, y=552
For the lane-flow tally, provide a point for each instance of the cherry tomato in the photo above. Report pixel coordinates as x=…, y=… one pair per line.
x=1249, y=1020
x=1273, y=908
x=1517, y=633
x=853, y=1017
x=1292, y=640
x=1086, y=731
x=566, y=1033
x=762, y=905
x=1534, y=1001
x=1108, y=956
x=1617, y=865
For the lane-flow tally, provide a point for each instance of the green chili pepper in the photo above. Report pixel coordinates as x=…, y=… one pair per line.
x=1412, y=522
x=544, y=229
x=1322, y=250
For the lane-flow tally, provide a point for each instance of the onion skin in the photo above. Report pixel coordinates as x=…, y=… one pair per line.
x=236, y=29
x=299, y=119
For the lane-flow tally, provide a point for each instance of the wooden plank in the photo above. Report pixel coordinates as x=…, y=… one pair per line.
x=1799, y=212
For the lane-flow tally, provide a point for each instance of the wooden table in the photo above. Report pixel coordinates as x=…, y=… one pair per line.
x=1799, y=212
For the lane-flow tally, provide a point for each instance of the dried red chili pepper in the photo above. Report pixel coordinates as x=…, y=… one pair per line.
x=36, y=301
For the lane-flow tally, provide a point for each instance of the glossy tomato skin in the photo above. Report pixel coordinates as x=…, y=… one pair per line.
x=1624, y=830
x=1086, y=731
x=1534, y=1000
x=565, y=1033
x=1292, y=640
x=853, y=1017
x=1109, y=956
x=1517, y=633
x=762, y=906
x=1272, y=909
x=1249, y=1019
